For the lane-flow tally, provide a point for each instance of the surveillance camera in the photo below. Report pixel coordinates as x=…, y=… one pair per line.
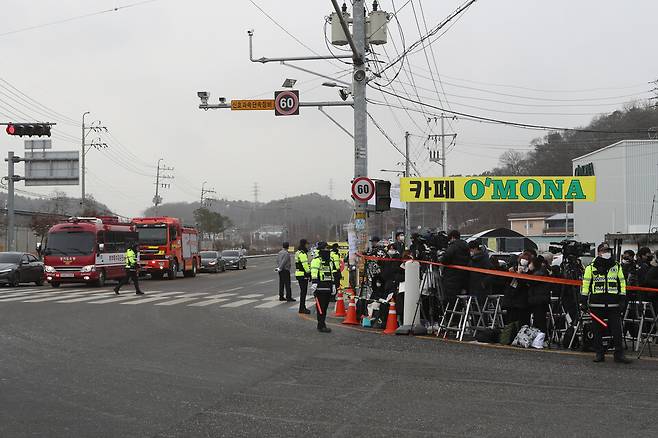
x=344, y=93
x=250, y=32
x=204, y=96
x=222, y=100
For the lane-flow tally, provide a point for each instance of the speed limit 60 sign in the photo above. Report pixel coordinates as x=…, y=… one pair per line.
x=286, y=103
x=363, y=189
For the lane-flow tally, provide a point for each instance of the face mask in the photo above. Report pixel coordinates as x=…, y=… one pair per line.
x=472, y=254
x=625, y=261
x=523, y=262
x=392, y=252
x=531, y=267
x=523, y=269
x=401, y=238
x=654, y=262
x=606, y=255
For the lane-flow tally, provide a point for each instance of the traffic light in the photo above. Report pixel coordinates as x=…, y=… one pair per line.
x=382, y=195
x=28, y=129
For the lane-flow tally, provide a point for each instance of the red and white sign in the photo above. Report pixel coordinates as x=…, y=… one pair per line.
x=363, y=188
x=286, y=103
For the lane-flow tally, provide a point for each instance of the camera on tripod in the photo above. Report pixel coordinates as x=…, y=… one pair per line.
x=428, y=246
x=572, y=248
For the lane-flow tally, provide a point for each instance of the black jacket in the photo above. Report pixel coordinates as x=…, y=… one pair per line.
x=455, y=280
x=651, y=279
x=516, y=294
x=539, y=293
x=479, y=284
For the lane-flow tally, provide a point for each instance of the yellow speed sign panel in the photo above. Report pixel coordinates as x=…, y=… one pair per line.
x=499, y=189
x=252, y=105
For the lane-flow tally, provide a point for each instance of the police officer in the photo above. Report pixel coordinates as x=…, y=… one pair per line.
x=131, y=270
x=302, y=273
x=322, y=277
x=335, y=259
x=604, y=289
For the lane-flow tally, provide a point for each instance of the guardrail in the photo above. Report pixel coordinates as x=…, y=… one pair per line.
x=257, y=256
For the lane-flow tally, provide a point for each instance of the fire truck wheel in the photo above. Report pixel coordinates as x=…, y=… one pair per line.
x=191, y=272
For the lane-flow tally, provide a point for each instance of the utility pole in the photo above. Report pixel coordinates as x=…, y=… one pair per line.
x=407, y=174
x=157, y=199
x=96, y=143
x=205, y=201
x=440, y=158
x=255, y=192
x=11, y=212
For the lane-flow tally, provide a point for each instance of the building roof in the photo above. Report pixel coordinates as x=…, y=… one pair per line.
x=560, y=217
x=529, y=215
x=615, y=145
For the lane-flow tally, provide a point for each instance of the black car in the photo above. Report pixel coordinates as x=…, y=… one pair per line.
x=20, y=267
x=211, y=261
x=234, y=258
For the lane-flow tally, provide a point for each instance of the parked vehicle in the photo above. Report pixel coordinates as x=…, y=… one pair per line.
x=167, y=247
x=212, y=261
x=20, y=267
x=234, y=258
x=87, y=250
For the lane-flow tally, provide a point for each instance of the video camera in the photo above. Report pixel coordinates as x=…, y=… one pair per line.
x=428, y=246
x=571, y=248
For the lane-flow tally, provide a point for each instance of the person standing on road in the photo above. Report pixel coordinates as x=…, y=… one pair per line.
x=302, y=273
x=131, y=271
x=604, y=291
x=335, y=259
x=283, y=268
x=322, y=277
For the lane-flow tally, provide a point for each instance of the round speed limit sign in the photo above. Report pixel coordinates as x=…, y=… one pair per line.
x=363, y=189
x=286, y=103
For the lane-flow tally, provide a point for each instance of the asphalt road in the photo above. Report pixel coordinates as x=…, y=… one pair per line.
x=73, y=363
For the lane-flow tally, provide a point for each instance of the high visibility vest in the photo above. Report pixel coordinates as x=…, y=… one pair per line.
x=302, y=268
x=321, y=271
x=597, y=284
x=335, y=258
x=131, y=259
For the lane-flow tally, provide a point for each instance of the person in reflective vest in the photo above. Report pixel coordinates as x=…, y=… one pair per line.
x=322, y=278
x=131, y=271
x=302, y=273
x=335, y=259
x=604, y=292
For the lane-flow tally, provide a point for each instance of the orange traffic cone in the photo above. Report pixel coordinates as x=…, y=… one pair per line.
x=340, y=304
x=392, y=320
x=351, y=313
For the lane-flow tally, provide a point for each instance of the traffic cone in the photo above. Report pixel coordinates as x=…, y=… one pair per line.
x=351, y=313
x=392, y=320
x=340, y=304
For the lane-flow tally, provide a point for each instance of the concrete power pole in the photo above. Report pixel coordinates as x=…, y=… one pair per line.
x=85, y=147
x=11, y=212
x=407, y=174
x=157, y=199
x=443, y=166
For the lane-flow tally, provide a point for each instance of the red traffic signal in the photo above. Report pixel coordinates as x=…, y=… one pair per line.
x=29, y=130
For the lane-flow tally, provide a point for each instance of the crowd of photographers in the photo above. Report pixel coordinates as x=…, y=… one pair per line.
x=523, y=300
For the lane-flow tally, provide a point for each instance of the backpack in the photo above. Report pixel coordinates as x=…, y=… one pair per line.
x=488, y=336
x=508, y=332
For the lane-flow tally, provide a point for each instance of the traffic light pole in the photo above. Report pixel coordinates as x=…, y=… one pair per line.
x=11, y=230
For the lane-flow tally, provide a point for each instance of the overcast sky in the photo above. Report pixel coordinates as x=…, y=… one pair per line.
x=138, y=69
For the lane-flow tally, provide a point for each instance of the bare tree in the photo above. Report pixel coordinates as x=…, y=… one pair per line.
x=513, y=162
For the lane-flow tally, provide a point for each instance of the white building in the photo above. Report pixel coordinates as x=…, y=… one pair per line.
x=626, y=183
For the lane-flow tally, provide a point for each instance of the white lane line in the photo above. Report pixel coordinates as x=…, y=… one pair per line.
x=178, y=301
x=78, y=300
x=17, y=294
x=265, y=282
x=195, y=294
x=238, y=303
x=115, y=299
x=147, y=300
x=231, y=290
x=251, y=296
x=208, y=302
x=59, y=296
x=269, y=304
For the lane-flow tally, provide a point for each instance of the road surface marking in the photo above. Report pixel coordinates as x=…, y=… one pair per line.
x=208, y=302
x=58, y=296
x=115, y=299
x=220, y=296
x=265, y=282
x=238, y=303
x=231, y=290
x=17, y=294
x=269, y=305
x=273, y=297
x=147, y=300
x=178, y=301
x=77, y=300
x=195, y=294
x=251, y=296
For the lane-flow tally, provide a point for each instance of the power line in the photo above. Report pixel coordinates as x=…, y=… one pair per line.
x=508, y=123
x=78, y=17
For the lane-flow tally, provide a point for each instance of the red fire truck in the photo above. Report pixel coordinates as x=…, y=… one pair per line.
x=87, y=250
x=167, y=247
